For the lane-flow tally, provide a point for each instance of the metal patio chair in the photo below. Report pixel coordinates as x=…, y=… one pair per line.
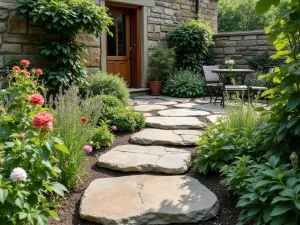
x=212, y=81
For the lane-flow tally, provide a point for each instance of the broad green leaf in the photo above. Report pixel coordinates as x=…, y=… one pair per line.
x=263, y=6
x=3, y=194
x=243, y=202
x=62, y=148
x=291, y=181
x=277, y=187
x=281, y=209
x=53, y=214
x=262, y=183
x=279, y=199
x=294, y=101
x=58, y=188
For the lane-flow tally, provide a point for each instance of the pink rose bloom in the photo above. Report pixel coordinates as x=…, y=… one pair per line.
x=42, y=120
x=24, y=62
x=114, y=128
x=88, y=148
x=36, y=99
x=39, y=72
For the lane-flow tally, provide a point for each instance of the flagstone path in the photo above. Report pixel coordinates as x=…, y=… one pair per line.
x=172, y=125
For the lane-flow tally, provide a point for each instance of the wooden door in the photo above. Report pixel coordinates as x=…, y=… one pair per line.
x=118, y=45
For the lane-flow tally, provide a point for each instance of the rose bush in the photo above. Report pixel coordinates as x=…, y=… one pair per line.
x=28, y=167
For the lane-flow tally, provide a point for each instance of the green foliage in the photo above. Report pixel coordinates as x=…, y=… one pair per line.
x=68, y=109
x=283, y=129
x=274, y=198
x=103, y=136
x=232, y=136
x=161, y=63
x=28, y=199
x=124, y=119
x=239, y=15
x=238, y=175
x=63, y=20
x=107, y=84
x=110, y=101
x=184, y=84
x=262, y=62
x=191, y=41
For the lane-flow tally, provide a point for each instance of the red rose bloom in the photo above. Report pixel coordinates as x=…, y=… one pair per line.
x=39, y=72
x=42, y=120
x=27, y=73
x=24, y=62
x=36, y=99
x=16, y=68
x=84, y=119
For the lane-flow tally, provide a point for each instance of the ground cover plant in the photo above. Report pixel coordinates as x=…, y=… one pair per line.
x=184, y=84
x=103, y=136
x=28, y=165
x=191, y=41
x=62, y=21
x=76, y=119
x=107, y=84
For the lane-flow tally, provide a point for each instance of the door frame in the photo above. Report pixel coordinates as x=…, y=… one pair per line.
x=143, y=6
x=134, y=42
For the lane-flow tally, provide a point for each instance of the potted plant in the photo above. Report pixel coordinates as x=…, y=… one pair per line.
x=229, y=63
x=161, y=65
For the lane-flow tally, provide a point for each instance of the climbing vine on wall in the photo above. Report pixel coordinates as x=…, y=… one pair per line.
x=63, y=20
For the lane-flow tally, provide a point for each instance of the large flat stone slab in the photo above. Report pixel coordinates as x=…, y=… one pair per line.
x=211, y=107
x=206, y=100
x=151, y=136
x=146, y=199
x=170, y=123
x=148, y=108
x=183, y=112
x=154, y=102
x=135, y=158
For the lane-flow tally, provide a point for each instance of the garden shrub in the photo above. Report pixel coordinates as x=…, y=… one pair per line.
x=108, y=84
x=184, y=84
x=28, y=164
x=262, y=62
x=239, y=174
x=76, y=120
x=124, y=119
x=191, y=41
x=161, y=64
x=103, y=137
x=63, y=20
x=110, y=101
x=274, y=198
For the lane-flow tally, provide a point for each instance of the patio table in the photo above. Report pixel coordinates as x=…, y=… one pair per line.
x=236, y=72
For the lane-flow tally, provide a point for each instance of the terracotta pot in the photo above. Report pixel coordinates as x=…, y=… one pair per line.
x=155, y=87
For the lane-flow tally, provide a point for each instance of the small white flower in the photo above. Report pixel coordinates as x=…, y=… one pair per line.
x=215, y=130
x=231, y=62
x=18, y=174
x=226, y=62
x=221, y=135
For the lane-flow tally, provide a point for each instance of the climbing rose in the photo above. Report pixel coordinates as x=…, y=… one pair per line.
x=88, y=148
x=42, y=120
x=114, y=128
x=24, y=62
x=18, y=174
x=9, y=77
x=36, y=99
x=84, y=119
x=16, y=68
x=39, y=72
x=27, y=73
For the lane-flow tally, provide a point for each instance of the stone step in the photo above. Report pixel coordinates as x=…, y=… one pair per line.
x=135, y=158
x=183, y=112
x=151, y=136
x=146, y=199
x=169, y=123
x=149, y=108
x=211, y=107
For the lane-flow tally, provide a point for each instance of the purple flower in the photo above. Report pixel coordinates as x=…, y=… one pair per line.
x=88, y=148
x=114, y=128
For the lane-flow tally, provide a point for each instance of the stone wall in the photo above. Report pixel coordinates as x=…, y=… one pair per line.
x=170, y=13
x=240, y=46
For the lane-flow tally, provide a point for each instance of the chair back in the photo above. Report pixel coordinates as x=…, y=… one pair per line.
x=209, y=75
x=271, y=70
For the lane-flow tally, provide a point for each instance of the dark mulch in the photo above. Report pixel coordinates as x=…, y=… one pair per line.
x=69, y=211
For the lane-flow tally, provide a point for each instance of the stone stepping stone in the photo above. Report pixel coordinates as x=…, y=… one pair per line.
x=169, y=123
x=214, y=118
x=154, y=102
x=206, y=107
x=148, y=114
x=206, y=100
x=151, y=136
x=146, y=199
x=135, y=158
x=148, y=108
x=183, y=112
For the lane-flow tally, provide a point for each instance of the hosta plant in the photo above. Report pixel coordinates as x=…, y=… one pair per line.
x=275, y=196
x=28, y=167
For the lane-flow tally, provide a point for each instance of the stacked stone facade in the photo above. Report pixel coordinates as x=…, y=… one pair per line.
x=240, y=46
x=170, y=13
